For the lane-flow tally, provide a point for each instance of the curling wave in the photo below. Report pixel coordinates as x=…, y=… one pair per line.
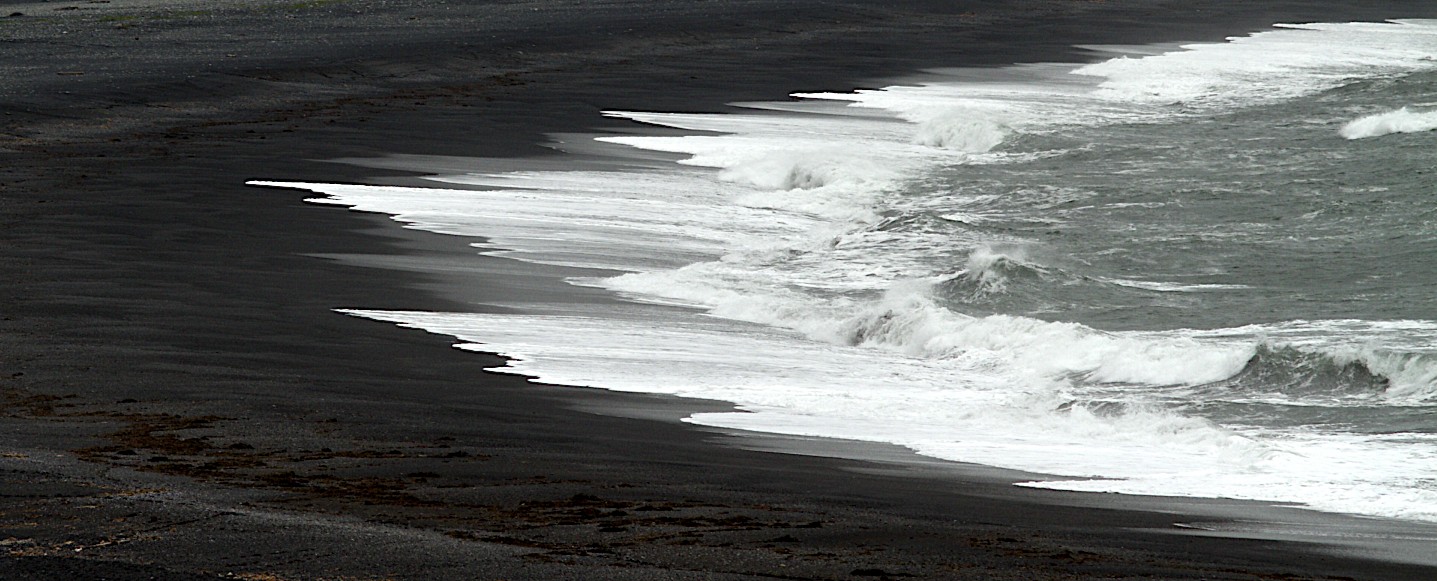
x=1403, y=120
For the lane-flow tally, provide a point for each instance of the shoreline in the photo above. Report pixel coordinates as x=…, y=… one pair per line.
x=165, y=310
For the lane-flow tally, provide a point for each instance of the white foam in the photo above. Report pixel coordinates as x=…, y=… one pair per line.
x=1400, y=121
x=1387, y=476
x=986, y=264
x=1291, y=61
x=608, y=220
x=906, y=321
x=963, y=409
x=1173, y=287
x=819, y=316
x=776, y=379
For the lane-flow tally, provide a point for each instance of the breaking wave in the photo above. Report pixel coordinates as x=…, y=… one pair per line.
x=1402, y=120
x=834, y=264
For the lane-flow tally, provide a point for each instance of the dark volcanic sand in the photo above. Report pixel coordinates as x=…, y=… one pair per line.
x=179, y=401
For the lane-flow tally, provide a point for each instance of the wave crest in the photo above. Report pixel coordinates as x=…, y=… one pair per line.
x=1300, y=373
x=962, y=132
x=989, y=269
x=1403, y=120
x=913, y=324
x=805, y=171
x=1337, y=373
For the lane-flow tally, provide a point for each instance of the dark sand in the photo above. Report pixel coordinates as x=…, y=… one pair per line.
x=179, y=401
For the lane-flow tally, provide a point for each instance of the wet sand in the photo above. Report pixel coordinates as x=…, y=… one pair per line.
x=180, y=401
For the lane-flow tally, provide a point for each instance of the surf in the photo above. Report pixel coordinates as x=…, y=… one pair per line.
x=952, y=267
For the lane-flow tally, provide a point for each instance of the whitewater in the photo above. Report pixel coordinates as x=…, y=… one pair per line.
x=1199, y=271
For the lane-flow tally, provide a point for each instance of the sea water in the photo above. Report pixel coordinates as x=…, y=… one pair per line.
x=1204, y=271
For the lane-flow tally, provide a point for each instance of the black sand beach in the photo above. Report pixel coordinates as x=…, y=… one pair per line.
x=180, y=401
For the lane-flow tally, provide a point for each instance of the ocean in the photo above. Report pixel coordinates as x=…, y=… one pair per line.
x=1200, y=270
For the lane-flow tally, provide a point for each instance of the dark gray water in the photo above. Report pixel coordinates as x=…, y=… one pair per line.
x=1263, y=215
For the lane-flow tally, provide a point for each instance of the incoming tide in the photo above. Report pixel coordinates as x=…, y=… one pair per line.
x=1204, y=271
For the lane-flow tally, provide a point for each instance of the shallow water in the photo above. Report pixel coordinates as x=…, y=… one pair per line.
x=1199, y=272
